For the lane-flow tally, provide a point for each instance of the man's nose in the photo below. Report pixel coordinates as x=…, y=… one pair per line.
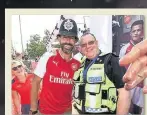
x=68, y=40
x=87, y=45
x=136, y=32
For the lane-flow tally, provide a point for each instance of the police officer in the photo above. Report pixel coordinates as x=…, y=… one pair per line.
x=99, y=88
x=56, y=70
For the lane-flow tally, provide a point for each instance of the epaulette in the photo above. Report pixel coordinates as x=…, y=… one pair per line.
x=105, y=54
x=115, y=55
x=82, y=61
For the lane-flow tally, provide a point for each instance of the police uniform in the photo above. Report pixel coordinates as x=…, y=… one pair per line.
x=96, y=84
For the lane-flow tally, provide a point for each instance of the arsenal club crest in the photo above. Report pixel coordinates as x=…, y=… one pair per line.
x=74, y=66
x=68, y=25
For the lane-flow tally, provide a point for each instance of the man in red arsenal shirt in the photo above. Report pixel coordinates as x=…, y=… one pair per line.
x=137, y=34
x=56, y=70
x=21, y=88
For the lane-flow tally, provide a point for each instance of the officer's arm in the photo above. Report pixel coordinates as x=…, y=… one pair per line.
x=16, y=101
x=123, y=103
x=34, y=92
x=124, y=100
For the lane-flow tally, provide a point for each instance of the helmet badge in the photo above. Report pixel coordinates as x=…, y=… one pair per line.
x=68, y=25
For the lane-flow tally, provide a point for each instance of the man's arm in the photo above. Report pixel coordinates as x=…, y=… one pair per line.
x=123, y=103
x=39, y=74
x=34, y=92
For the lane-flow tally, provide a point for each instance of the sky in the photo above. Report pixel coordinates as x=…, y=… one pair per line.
x=36, y=24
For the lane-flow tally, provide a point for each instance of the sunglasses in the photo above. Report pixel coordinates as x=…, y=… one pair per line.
x=15, y=68
x=89, y=43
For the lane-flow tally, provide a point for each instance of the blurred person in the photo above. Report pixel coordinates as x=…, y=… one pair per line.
x=27, y=64
x=19, y=56
x=13, y=57
x=55, y=46
x=56, y=73
x=137, y=35
x=21, y=87
x=34, y=64
x=137, y=71
x=99, y=88
x=78, y=56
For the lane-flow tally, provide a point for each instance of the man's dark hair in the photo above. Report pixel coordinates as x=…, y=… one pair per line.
x=137, y=23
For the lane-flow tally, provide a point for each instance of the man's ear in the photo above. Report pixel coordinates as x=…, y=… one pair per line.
x=58, y=38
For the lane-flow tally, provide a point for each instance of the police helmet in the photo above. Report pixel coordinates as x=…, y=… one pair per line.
x=68, y=28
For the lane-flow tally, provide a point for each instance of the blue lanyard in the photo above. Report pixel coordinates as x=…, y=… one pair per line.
x=86, y=69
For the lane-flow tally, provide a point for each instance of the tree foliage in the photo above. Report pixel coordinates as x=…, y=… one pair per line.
x=46, y=38
x=36, y=47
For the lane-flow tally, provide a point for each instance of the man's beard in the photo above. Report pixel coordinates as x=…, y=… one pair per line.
x=67, y=50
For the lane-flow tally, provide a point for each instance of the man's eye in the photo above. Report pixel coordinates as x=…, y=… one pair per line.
x=83, y=45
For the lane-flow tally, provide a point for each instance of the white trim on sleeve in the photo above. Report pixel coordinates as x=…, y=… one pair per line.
x=123, y=50
x=41, y=66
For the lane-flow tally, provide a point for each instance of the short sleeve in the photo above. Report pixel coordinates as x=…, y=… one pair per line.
x=41, y=66
x=123, y=51
x=117, y=72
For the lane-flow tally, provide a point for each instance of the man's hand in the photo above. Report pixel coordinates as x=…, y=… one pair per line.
x=137, y=71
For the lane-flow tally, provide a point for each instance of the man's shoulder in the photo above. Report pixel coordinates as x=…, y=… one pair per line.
x=125, y=46
x=123, y=50
x=76, y=61
x=48, y=55
x=109, y=58
x=104, y=55
x=78, y=56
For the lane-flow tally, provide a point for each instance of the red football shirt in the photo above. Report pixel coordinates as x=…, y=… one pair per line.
x=56, y=94
x=24, y=89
